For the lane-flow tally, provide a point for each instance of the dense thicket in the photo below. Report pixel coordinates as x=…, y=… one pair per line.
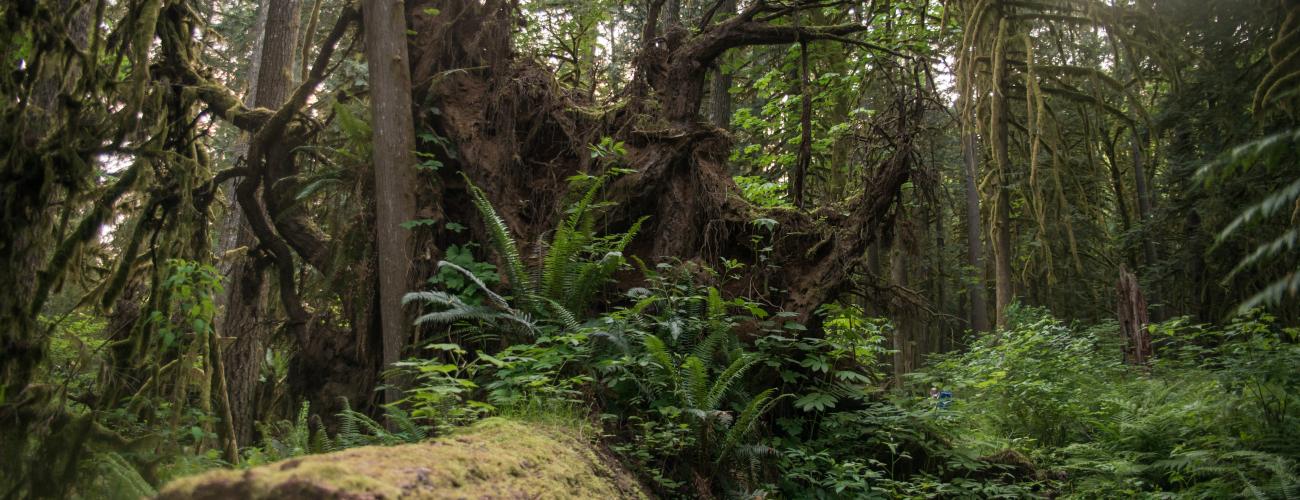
x=811, y=249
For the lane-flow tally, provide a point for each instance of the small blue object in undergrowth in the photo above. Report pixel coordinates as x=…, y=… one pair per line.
x=945, y=399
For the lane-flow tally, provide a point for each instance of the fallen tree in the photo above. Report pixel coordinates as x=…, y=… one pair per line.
x=518, y=134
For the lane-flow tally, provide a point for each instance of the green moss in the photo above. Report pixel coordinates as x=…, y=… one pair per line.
x=495, y=458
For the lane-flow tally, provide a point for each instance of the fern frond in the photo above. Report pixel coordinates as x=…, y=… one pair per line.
x=630, y=234
x=715, y=310
x=435, y=298
x=1272, y=294
x=347, y=426
x=761, y=404
x=704, y=349
x=658, y=352
x=697, y=383
x=496, y=300
x=569, y=239
x=406, y=426
x=567, y=319
x=463, y=313
x=300, y=434
x=1267, y=207
x=320, y=439
x=590, y=279
x=727, y=379
x=503, y=243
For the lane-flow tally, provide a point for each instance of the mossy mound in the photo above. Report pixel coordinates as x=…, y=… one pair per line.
x=496, y=458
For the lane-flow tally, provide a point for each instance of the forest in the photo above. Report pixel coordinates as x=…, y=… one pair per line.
x=801, y=249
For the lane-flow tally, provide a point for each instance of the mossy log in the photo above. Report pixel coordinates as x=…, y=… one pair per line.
x=496, y=458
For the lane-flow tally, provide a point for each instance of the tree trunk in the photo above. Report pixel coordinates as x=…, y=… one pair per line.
x=904, y=343
x=29, y=191
x=979, y=312
x=1143, y=197
x=907, y=341
x=720, y=94
x=1131, y=309
x=244, y=319
x=1002, y=203
x=720, y=100
x=939, y=282
x=394, y=142
x=1117, y=185
x=804, y=159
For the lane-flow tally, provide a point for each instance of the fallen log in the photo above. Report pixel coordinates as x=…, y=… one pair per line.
x=495, y=458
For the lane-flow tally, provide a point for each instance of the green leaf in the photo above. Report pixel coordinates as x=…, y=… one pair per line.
x=852, y=376
x=412, y=224
x=817, y=401
x=454, y=348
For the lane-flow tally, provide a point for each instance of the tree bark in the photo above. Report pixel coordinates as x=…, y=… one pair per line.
x=394, y=142
x=1143, y=196
x=1002, y=163
x=271, y=80
x=1117, y=184
x=979, y=312
x=907, y=341
x=804, y=159
x=1131, y=308
x=29, y=192
x=720, y=94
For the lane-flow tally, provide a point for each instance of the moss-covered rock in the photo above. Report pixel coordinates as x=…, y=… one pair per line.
x=496, y=458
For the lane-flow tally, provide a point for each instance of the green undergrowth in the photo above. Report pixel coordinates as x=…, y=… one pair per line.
x=1216, y=415
x=700, y=394
x=703, y=395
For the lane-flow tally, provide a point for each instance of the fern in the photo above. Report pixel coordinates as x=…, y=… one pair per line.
x=696, y=389
x=704, y=349
x=496, y=300
x=593, y=276
x=745, y=423
x=358, y=429
x=1270, y=152
x=564, y=284
x=456, y=310
x=659, y=353
x=504, y=244
x=349, y=428
x=564, y=316
x=727, y=379
x=320, y=439
x=300, y=433
x=569, y=239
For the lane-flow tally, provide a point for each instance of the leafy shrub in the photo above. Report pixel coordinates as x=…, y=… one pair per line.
x=762, y=192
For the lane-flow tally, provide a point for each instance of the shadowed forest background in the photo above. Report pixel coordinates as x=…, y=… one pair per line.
x=738, y=248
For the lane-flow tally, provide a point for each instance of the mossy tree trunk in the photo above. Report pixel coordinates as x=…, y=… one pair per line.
x=998, y=129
